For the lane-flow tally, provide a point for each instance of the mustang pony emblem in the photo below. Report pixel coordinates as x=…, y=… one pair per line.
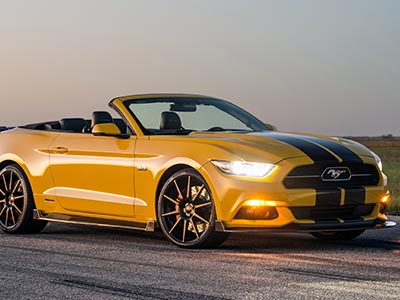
x=335, y=174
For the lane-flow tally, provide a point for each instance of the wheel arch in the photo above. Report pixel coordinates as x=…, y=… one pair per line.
x=167, y=174
x=16, y=161
x=181, y=166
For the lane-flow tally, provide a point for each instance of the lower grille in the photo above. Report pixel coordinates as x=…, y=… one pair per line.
x=325, y=213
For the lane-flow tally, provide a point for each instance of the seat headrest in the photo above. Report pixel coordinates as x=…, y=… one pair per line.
x=170, y=120
x=101, y=117
x=121, y=125
x=73, y=124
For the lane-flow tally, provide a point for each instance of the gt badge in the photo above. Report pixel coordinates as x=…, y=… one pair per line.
x=336, y=174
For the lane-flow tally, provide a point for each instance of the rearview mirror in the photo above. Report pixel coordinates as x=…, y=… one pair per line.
x=108, y=129
x=186, y=107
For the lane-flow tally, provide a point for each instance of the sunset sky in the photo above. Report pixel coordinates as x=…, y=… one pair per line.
x=330, y=67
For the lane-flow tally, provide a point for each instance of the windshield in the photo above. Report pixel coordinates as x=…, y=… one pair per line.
x=184, y=115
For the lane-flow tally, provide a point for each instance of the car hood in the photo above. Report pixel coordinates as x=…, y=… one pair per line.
x=278, y=146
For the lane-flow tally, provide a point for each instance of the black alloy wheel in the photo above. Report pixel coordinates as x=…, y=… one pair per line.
x=186, y=211
x=16, y=202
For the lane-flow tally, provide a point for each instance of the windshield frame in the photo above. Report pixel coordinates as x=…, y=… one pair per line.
x=254, y=124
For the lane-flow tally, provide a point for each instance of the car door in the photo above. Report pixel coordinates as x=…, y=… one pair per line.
x=94, y=174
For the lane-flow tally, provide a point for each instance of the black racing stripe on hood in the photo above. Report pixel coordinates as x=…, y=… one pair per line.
x=354, y=196
x=313, y=151
x=343, y=152
x=327, y=197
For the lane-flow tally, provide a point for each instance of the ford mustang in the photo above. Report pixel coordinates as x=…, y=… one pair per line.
x=196, y=167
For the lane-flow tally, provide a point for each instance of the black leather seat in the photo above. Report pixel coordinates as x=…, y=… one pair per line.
x=72, y=124
x=121, y=125
x=170, y=120
x=52, y=126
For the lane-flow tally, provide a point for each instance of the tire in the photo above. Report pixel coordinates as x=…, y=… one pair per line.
x=16, y=202
x=186, y=211
x=337, y=235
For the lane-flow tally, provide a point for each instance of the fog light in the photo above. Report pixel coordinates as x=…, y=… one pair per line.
x=257, y=213
x=384, y=203
x=258, y=203
x=385, y=198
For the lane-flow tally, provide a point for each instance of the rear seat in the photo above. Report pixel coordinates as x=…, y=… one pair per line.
x=73, y=124
x=52, y=126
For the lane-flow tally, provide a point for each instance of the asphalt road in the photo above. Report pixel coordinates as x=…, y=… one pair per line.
x=83, y=262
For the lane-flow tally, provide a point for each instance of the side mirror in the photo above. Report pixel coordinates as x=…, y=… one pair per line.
x=108, y=129
x=271, y=127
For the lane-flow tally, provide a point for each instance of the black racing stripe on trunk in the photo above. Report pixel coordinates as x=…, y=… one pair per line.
x=354, y=196
x=328, y=197
x=343, y=152
x=315, y=152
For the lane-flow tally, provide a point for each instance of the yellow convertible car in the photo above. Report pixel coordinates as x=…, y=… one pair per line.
x=193, y=166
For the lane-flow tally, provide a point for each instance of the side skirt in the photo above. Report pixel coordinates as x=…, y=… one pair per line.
x=149, y=226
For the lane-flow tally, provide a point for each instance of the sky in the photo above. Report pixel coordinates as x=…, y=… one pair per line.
x=329, y=67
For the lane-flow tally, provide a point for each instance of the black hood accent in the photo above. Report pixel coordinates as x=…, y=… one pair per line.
x=317, y=148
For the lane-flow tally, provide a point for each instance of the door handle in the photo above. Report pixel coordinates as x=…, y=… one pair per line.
x=60, y=150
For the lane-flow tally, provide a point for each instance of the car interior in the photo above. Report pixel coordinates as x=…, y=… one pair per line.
x=80, y=125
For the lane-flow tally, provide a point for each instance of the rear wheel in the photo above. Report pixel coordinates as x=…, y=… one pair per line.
x=16, y=202
x=337, y=235
x=186, y=211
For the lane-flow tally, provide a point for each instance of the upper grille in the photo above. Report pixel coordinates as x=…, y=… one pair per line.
x=310, y=176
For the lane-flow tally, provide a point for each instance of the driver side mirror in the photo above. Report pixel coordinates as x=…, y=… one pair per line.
x=271, y=127
x=108, y=129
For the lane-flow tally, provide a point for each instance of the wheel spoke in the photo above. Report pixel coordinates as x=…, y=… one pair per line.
x=198, y=193
x=4, y=208
x=176, y=223
x=16, y=185
x=195, y=228
x=3, y=201
x=179, y=191
x=6, y=217
x=12, y=216
x=175, y=212
x=11, y=175
x=17, y=209
x=188, y=188
x=4, y=180
x=3, y=193
x=201, y=219
x=19, y=197
x=170, y=199
x=202, y=205
x=184, y=231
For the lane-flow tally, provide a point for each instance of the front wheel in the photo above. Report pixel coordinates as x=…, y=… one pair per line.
x=16, y=202
x=337, y=235
x=186, y=211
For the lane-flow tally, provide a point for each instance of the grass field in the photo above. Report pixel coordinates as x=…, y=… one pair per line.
x=389, y=151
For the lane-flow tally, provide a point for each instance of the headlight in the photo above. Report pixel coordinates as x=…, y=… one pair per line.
x=241, y=168
x=378, y=160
